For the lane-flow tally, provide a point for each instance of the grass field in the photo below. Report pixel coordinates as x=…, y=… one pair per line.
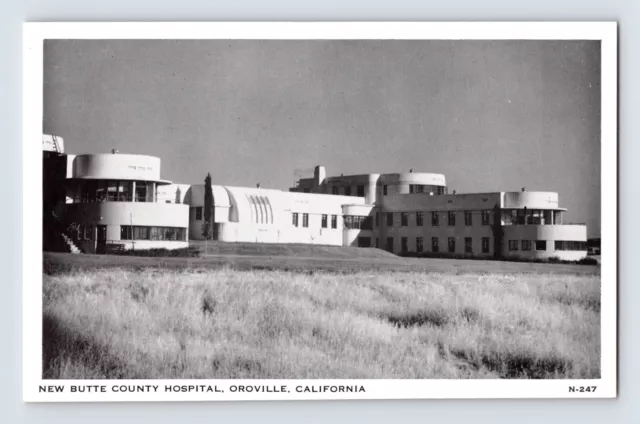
x=383, y=317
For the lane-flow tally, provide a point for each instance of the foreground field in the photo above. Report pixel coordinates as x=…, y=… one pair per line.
x=343, y=260
x=229, y=323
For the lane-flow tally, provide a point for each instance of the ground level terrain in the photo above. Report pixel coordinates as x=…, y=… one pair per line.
x=324, y=315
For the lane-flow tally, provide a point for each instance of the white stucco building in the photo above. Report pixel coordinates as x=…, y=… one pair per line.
x=119, y=200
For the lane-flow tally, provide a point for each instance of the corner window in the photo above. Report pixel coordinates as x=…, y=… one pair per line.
x=541, y=245
x=360, y=191
x=294, y=217
x=389, y=219
x=384, y=190
x=347, y=191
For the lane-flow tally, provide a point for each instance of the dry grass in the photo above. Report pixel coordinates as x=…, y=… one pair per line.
x=275, y=324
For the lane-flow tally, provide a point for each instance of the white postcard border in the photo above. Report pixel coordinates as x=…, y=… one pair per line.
x=35, y=33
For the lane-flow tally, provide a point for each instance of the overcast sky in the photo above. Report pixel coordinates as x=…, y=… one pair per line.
x=490, y=115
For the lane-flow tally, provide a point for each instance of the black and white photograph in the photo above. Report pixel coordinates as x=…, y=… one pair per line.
x=318, y=217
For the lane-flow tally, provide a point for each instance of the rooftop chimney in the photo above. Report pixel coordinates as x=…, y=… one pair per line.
x=258, y=185
x=524, y=189
x=114, y=151
x=319, y=175
x=411, y=171
x=455, y=192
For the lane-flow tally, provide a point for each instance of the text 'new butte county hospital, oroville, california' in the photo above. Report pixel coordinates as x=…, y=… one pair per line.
x=94, y=203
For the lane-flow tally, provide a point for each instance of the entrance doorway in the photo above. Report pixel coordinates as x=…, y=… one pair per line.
x=101, y=239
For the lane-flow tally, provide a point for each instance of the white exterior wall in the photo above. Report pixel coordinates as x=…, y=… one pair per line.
x=549, y=233
x=265, y=216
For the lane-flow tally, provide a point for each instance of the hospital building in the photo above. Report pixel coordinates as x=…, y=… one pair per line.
x=96, y=203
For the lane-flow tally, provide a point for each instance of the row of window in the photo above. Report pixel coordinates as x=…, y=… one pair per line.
x=435, y=218
x=420, y=188
x=413, y=188
x=527, y=245
x=138, y=232
x=542, y=245
x=570, y=245
x=358, y=222
x=84, y=232
x=114, y=191
x=347, y=191
x=295, y=221
x=435, y=244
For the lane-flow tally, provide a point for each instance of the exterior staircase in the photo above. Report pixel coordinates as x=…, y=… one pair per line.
x=71, y=246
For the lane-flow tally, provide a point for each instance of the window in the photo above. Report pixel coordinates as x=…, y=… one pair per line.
x=295, y=219
x=360, y=191
x=324, y=221
x=384, y=190
x=389, y=219
x=128, y=232
x=468, y=245
x=334, y=190
x=411, y=188
x=513, y=245
x=451, y=218
x=541, y=245
x=377, y=219
x=526, y=244
x=435, y=219
x=141, y=192
x=305, y=220
x=485, y=217
x=419, y=218
x=390, y=244
x=467, y=218
x=358, y=222
x=404, y=219
x=364, y=241
x=334, y=221
x=347, y=191
x=404, y=245
x=570, y=245
x=419, y=246
x=485, y=244
x=199, y=213
x=452, y=245
x=434, y=245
